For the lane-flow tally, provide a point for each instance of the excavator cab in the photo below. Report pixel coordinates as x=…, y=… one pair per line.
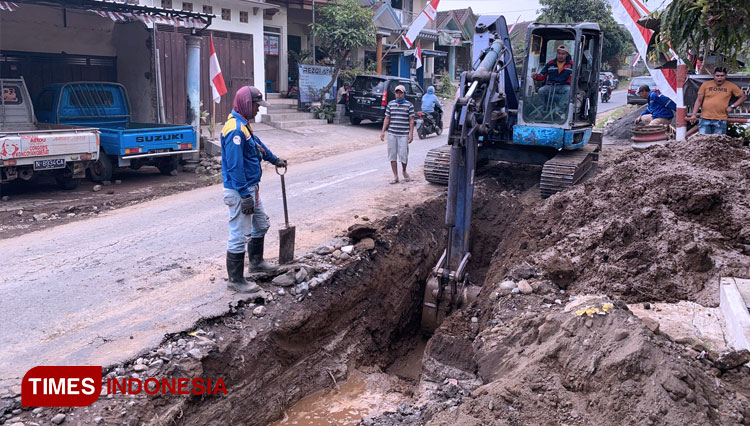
x=559, y=89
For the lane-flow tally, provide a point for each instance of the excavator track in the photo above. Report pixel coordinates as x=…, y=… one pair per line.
x=437, y=165
x=568, y=168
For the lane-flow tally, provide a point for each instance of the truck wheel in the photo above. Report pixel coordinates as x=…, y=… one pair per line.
x=101, y=169
x=168, y=165
x=355, y=120
x=67, y=182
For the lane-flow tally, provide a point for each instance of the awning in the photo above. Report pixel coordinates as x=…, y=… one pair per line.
x=8, y=5
x=125, y=12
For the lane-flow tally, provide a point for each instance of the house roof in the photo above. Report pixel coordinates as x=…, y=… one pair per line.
x=459, y=16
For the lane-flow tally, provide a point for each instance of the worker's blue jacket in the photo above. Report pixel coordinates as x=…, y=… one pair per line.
x=660, y=106
x=241, y=152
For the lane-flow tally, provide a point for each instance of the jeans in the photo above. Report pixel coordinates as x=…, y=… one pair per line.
x=242, y=226
x=712, y=127
x=560, y=97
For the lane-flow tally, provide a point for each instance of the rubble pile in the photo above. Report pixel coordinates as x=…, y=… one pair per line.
x=659, y=225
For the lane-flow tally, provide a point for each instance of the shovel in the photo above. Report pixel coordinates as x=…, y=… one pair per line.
x=286, y=234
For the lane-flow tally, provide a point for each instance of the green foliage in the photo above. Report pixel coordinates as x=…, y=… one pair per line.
x=348, y=75
x=739, y=130
x=446, y=89
x=721, y=26
x=341, y=26
x=324, y=110
x=303, y=57
x=617, y=41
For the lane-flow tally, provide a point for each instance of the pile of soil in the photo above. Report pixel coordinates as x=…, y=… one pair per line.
x=663, y=224
x=658, y=225
x=622, y=128
x=561, y=366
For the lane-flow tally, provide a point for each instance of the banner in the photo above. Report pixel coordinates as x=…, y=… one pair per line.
x=628, y=12
x=446, y=38
x=313, y=78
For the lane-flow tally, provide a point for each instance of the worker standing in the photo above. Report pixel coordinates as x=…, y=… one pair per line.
x=660, y=109
x=241, y=155
x=399, y=122
x=713, y=100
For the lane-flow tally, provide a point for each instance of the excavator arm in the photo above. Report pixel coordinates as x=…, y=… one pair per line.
x=479, y=109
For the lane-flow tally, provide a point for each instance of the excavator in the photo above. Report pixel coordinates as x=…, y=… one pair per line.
x=502, y=118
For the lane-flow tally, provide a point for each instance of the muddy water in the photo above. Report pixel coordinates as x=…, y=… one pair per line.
x=367, y=393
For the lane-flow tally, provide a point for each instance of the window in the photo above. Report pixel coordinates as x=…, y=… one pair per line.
x=368, y=84
x=187, y=7
x=226, y=14
x=243, y=17
x=397, y=4
x=11, y=95
x=166, y=4
x=91, y=98
x=208, y=9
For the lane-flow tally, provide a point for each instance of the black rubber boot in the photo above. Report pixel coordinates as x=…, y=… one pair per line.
x=235, y=269
x=255, y=254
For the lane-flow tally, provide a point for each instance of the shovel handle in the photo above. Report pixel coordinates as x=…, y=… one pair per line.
x=283, y=194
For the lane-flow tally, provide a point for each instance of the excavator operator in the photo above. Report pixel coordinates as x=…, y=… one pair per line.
x=556, y=75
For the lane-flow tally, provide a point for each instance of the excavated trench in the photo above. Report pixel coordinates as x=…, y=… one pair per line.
x=351, y=349
x=361, y=327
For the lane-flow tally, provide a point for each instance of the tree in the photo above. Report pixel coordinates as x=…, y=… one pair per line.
x=617, y=41
x=721, y=26
x=341, y=26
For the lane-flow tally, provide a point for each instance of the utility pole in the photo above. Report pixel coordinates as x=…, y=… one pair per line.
x=313, y=32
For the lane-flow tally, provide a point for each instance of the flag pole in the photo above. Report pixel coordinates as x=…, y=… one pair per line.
x=213, y=119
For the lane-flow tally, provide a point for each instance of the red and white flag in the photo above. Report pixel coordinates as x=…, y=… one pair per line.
x=418, y=54
x=428, y=15
x=628, y=12
x=635, y=60
x=218, y=88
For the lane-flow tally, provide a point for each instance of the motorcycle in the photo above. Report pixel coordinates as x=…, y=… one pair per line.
x=606, y=92
x=426, y=124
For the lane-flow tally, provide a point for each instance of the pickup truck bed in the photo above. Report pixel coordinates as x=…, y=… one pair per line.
x=28, y=148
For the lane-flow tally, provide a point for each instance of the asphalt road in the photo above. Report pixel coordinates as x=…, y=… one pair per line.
x=618, y=99
x=102, y=290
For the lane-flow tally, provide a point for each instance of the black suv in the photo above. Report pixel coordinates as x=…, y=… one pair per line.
x=370, y=94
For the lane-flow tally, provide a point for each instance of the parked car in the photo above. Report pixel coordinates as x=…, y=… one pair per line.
x=370, y=94
x=124, y=143
x=635, y=83
x=613, y=78
x=29, y=148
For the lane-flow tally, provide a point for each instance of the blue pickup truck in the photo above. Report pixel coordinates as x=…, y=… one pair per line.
x=123, y=143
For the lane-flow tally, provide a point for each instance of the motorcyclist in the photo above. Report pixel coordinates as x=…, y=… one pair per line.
x=608, y=84
x=429, y=102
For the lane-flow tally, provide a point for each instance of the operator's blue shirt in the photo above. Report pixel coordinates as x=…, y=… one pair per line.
x=241, y=152
x=660, y=106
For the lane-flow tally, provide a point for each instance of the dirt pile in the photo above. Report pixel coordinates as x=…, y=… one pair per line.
x=589, y=363
x=659, y=225
x=622, y=128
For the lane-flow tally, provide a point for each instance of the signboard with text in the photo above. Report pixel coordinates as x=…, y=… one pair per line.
x=312, y=79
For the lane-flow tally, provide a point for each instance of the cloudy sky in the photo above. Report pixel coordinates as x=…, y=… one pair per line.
x=511, y=9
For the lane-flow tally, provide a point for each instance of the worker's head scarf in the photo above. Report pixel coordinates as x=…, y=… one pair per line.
x=431, y=90
x=243, y=103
